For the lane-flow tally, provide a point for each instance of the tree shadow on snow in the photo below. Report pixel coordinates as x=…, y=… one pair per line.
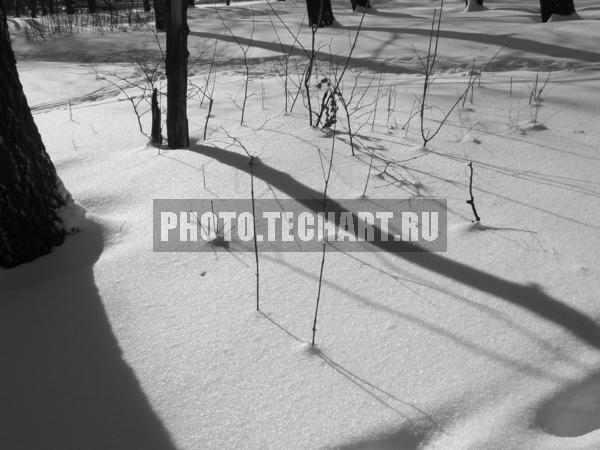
x=64, y=384
x=527, y=296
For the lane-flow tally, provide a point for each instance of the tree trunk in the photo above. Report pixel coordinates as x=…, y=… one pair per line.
x=560, y=7
x=156, y=135
x=18, y=6
x=191, y=4
x=176, y=68
x=319, y=12
x=69, y=6
x=33, y=8
x=146, y=4
x=51, y=7
x=479, y=2
x=161, y=11
x=91, y=4
x=44, y=7
x=29, y=186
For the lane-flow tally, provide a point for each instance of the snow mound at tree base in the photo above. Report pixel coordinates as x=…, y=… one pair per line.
x=574, y=412
x=474, y=6
x=559, y=18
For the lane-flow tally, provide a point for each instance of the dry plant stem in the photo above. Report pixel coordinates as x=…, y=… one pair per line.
x=254, y=231
x=471, y=73
x=429, y=65
x=350, y=135
x=210, y=105
x=348, y=59
x=314, y=328
x=368, y=173
x=212, y=64
x=245, y=50
x=442, y=122
x=286, y=60
x=471, y=201
x=376, y=101
x=308, y=73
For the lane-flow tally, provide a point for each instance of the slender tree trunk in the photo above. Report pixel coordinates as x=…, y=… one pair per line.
x=18, y=7
x=156, y=135
x=33, y=8
x=560, y=7
x=161, y=11
x=69, y=6
x=176, y=68
x=44, y=7
x=319, y=12
x=51, y=7
x=91, y=4
x=146, y=4
x=29, y=186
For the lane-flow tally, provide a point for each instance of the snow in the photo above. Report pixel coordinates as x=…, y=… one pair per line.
x=494, y=344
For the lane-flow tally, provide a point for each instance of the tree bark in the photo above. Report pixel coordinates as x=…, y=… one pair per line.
x=156, y=135
x=161, y=13
x=560, y=7
x=69, y=6
x=29, y=185
x=18, y=6
x=319, y=12
x=176, y=69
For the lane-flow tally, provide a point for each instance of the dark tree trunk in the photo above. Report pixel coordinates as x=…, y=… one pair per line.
x=146, y=5
x=361, y=3
x=51, y=8
x=479, y=2
x=319, y=12
x=29, y=192
x=44, y=7
x=69, y=6
x=18, y=7
x=161, y=11
x=191, y=4
x=176, y=68
x=156, y=135
x=91, y=4
x=33, y=8
x=560, y=7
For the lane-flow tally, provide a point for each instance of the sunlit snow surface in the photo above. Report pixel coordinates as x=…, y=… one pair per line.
x=493, y=345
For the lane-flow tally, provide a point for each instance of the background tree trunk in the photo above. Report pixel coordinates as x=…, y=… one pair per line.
x=319, y=8
x=156, y=135
x=69, y=6
x=176, y=68
x=33, y=8
x=29, y=186
x=161, y=11
x=18, y=7
x=91, y=4
x=560, y=7
x=146, y=4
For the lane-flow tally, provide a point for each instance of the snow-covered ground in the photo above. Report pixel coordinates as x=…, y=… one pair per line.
x=492, y=345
